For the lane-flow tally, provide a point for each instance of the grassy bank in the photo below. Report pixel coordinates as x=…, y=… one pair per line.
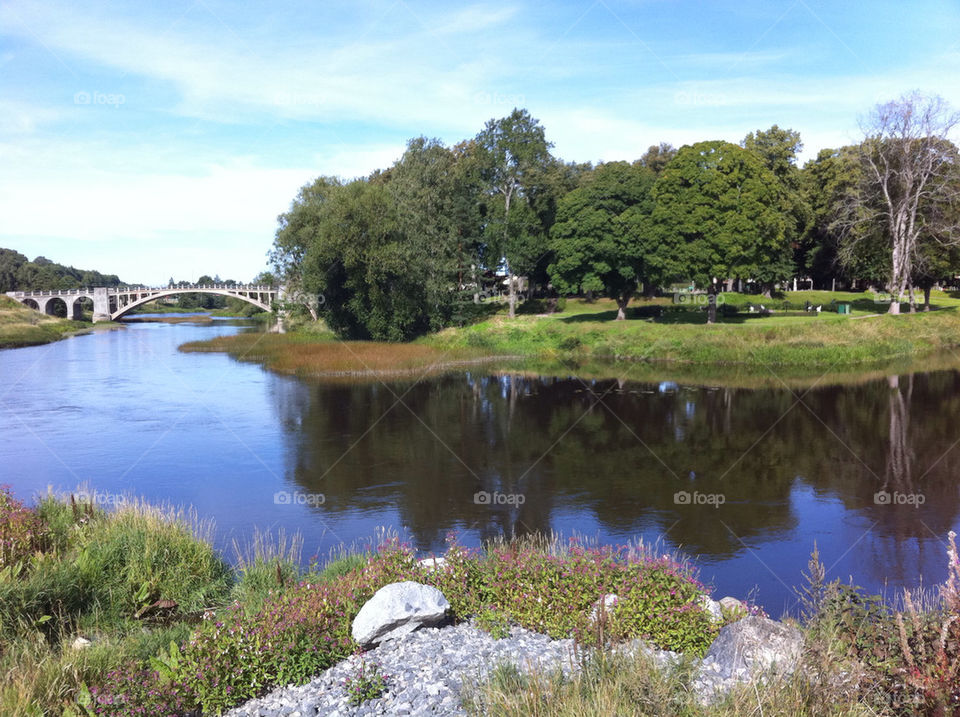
x=662, y=339
x=669, y=333
x=173, y=628
x=22, y=326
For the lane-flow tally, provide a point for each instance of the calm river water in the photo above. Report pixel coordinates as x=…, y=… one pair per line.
x=745, y=480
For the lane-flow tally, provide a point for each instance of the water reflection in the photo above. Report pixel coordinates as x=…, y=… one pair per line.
x=615, y=456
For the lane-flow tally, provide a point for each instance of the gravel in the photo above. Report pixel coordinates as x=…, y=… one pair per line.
x=424, y=671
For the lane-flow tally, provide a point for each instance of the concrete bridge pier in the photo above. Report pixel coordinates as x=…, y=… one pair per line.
x=101, y=305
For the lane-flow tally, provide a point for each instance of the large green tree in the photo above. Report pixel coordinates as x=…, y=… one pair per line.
x=778, y=149
x=600, y=240
x=717, y=214
x=514, y=153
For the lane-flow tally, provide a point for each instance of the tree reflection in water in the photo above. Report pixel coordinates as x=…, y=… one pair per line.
x=608, y=458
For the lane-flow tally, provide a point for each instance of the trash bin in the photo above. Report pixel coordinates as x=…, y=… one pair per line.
x=843, y=308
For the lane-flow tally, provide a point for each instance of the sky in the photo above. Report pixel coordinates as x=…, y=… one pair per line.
x=156, y=140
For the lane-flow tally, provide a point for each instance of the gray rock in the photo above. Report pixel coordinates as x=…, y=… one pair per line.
x=396, y=610
x=748, y=649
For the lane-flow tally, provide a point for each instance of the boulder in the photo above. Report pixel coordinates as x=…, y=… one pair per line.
x=745, y=650
x=396, y=610
x=81, y=643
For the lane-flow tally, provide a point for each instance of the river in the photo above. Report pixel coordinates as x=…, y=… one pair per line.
x=744, y=481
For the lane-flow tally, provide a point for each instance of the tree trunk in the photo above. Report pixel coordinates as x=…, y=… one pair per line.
x=512, y=295
x=926, y=298
x=712, y=304
x=622, y=302
x=894, y=306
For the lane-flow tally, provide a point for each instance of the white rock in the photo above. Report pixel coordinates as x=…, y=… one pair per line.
x=432, y=563
x=396, y=610
x=609, y=602
x=712, y=607
x=81, y=643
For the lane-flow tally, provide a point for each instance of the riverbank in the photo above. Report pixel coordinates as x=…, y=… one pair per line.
x=659, y=341
x=131, y=611
x=22, y=326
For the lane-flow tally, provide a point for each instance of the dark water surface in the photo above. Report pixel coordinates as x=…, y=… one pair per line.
x=746, y=480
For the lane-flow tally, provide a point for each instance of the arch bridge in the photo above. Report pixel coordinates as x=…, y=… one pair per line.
x=110, y=304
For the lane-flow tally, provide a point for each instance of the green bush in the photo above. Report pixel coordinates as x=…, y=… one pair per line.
x=22, y=531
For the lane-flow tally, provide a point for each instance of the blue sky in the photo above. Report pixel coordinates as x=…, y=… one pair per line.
x=163, y=139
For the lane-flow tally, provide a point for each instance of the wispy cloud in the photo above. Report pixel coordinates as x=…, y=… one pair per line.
x=190, y=121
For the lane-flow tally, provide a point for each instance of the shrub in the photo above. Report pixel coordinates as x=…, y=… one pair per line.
x=554, y=592
x=133, y=690
x=494, y=623
x=294, y=636
x=22, y=531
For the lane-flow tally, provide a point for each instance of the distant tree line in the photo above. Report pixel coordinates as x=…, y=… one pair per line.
x=18, y=273
x=415, y=247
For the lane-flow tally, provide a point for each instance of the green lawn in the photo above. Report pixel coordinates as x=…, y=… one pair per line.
x=664, y=330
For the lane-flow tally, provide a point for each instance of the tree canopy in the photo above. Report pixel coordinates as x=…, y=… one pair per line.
x=601, y=236
x=718, y=214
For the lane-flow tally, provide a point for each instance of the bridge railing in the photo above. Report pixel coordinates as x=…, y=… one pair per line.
x=141, y=289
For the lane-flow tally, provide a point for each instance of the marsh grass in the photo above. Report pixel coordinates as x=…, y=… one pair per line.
x=265, y=566
x=308, y=355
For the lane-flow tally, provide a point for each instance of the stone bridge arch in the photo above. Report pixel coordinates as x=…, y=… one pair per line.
x=263, y=300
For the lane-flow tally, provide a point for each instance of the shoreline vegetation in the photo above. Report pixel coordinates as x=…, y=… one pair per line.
x=784, y=346
x=132, y=611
